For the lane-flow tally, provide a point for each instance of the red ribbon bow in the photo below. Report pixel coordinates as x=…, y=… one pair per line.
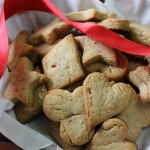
x=97, y=32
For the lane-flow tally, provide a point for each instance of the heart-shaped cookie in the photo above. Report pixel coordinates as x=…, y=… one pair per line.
x=54, y=132
x=75, y=130
x=60, y=104
x=68, y=108
x=110, y=136
x=104, y=99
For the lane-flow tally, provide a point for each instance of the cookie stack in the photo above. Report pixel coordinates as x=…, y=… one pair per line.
x=96, y=97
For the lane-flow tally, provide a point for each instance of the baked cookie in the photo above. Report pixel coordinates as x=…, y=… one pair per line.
x=104, y=99
x=136, y=117
x=62, y=65
x=61, y=104
x=45, y=48
x=18, y=49
x=68, y=108
x=54, y=132
x=94, y=51
x=89, y=15
x=22, y=82
x=140, y=33
x=75, y=130
x=111, y=136
x=25, y=113
x=141, y=79
x=55, y=20
x=120, y=26
x=50, y=33
x=115, y=73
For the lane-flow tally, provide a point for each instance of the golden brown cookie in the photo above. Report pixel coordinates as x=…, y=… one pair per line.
x=104, y=99
x=23, y=81
x=136, y=117
x=68, y=108
x=54, y=132
x=62, y=65
x=61, y=104
x=140, y=33
x=18, y=49
x=116, y=24
x=115, y=73
x=141, y=79
x=25, y=113
x=45, y=48
x=50, y=33
x=75, y=130
x=120, y=26
x=55, y=20
x=89, y=15
x=94, y=51
x=111, y=136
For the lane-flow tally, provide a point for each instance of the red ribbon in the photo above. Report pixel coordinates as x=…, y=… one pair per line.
x=97, y=32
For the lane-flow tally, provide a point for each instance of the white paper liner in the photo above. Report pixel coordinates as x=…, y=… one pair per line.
x=34, y=135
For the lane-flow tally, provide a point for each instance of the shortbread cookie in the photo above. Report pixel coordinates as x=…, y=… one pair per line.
x=55, y=20
x=68, y=108
x=89, y=15
x=50, y=33
x=25, y=113
x=120, y=26
x=22, y=82
x=18, y=49
x=141, y=79
x=45, y=48
x=54, y=132
x=140, y=33
x=94, y=51
x=75, y=130
x=136, y=116
x=104, y=99
x=116, y=24
x=111, y=136
x=113, y=73
x=60, y=104
x=62, y=65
